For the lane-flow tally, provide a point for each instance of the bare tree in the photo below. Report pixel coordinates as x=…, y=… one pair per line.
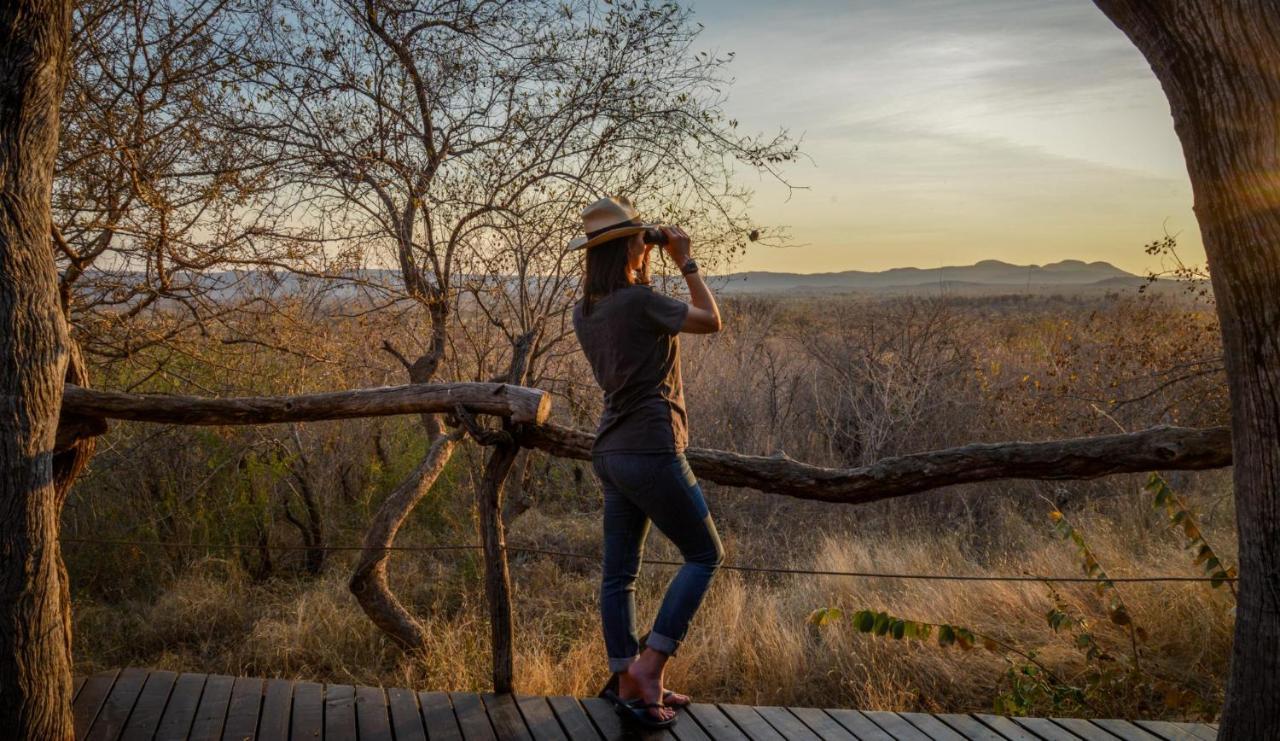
x=159, y=205
x=35, y=628
x=1219, y=64
x=454, y=140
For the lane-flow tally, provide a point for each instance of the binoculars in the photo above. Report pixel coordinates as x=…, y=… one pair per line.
x=655, y=236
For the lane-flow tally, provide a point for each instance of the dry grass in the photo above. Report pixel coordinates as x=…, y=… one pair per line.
x=750, y=643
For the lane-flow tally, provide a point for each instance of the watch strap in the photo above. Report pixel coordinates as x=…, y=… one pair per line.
x=689, y=266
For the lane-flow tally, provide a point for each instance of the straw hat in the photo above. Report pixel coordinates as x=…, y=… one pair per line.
x=607, y=219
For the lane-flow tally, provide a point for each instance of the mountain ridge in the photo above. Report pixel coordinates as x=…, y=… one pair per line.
x=1064, y=273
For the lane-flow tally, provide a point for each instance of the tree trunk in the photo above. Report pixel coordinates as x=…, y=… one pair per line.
x=369, y=580
x=1219, y=64
x=497, y=578
x=35, y=633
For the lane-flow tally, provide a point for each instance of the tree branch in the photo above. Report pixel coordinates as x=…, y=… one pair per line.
x=1166, y=448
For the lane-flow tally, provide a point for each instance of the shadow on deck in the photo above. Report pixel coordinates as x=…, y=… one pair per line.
x=153, y=704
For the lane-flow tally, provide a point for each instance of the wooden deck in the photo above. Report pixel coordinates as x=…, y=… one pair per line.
x=151, y=704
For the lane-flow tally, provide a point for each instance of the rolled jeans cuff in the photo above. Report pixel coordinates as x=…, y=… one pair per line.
x=659, y=642
x=620, y=665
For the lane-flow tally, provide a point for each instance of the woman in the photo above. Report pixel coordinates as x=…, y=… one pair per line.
x=628, y=333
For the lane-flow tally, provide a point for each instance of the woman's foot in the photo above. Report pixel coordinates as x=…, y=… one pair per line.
x=644, y=679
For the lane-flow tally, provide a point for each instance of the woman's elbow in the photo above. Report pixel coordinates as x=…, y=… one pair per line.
x=702, y=323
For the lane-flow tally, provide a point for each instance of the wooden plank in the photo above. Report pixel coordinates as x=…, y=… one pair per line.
x=540, y=719
x=932, y=727
x=277, y=705
x=372, y=721
x=243, y=710
x=822, y=724
x=340, y=712
x=1168, y=731
x=507, y=721
x=577, y=726
x=858, y=724
x=472, y=719
x=78, y=682
x=786, y=724
x=611, y=725
x=115, y=711
x=1084, y=729
x=89, y=701
x=747, y=719
x=686, y=727
x=145, y=717
x=180, y=713
x=714, y=722
x=1006, y=728
x=895, y=725
x=212, y=712
x=306, y=721
x=1046, y=729
x=970, y=727
x=406, y=718
x=437, y=714
x=1206, y=731
x=1124, y=729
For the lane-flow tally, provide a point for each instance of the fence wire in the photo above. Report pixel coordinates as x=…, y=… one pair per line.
x=658, y=562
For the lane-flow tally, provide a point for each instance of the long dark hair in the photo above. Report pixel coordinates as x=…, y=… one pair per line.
x=607, y=270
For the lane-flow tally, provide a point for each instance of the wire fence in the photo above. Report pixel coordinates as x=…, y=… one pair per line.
x=657, y=562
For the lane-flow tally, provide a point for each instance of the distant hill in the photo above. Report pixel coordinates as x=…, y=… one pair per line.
x=979, y=278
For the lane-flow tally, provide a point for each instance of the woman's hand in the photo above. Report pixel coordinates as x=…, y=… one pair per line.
x=677, y=246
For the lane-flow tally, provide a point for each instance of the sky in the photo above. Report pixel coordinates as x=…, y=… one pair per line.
x=944, y=132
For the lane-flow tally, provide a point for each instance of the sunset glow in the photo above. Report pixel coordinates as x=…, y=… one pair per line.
x=944, y=132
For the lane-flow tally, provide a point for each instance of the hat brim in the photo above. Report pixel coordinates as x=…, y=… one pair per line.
x=583, y=242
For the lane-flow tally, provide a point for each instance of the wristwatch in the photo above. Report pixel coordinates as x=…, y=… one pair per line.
x=689, y=266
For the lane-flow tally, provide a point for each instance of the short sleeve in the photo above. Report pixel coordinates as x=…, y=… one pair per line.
x=663, y=313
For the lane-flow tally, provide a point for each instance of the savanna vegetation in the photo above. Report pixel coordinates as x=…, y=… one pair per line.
x=839, y=381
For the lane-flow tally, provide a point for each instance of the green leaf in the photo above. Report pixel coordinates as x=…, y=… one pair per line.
x=882, y=624
x=864, y=621
x=825, y=615
x=946, y=635
x=898, y=629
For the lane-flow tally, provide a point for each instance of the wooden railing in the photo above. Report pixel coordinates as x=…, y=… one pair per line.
x=524, y=414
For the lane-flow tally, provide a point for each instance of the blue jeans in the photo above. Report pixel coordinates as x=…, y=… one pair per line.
x=657, y=487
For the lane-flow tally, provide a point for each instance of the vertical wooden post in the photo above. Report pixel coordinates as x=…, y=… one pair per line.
x=497, y=579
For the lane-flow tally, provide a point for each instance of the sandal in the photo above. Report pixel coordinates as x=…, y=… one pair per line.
x=637, y=710
x=610, y=689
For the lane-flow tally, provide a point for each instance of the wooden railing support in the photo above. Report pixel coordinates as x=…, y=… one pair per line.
x=497, y=577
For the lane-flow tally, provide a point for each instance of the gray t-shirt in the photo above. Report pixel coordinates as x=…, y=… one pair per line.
x=631, y=338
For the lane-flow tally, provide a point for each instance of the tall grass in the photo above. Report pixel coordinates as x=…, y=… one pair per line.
x=750, y=643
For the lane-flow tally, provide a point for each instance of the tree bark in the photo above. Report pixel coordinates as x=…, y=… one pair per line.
x=1164, y=448
x=1219, y=64
x=497, y=577
x=35, y=634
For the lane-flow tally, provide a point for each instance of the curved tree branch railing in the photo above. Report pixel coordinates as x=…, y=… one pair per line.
x=1170, y=448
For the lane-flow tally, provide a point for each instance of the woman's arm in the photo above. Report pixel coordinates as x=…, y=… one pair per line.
x=704, y=314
